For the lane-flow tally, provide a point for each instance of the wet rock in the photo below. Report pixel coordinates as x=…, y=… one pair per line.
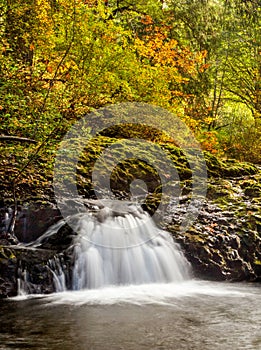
x=225, y=240
x=8, y=267
x=33, y=219
x=223, y=244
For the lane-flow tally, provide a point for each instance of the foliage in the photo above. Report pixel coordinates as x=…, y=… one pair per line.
x=61, y=59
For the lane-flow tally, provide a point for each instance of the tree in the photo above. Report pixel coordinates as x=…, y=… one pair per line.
x=229, y=32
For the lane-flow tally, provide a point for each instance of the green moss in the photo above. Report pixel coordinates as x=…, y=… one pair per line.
x=6, y=254
x=228, y=168
x=215, y=192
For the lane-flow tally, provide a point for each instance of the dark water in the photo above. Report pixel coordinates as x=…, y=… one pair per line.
x=192, y=315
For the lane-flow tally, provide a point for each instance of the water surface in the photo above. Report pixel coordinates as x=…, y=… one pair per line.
x=191, y=315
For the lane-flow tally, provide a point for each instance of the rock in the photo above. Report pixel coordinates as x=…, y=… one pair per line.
x=254, y=191
x=8, y=267
x=225, y=240
x=223, y=244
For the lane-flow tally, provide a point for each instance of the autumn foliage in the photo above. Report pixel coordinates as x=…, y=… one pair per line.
x=60, y=59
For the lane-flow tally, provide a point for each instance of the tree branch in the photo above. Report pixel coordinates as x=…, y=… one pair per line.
x=16, y=138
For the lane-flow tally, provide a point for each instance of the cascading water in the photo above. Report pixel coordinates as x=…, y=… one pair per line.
x=111, y=248
x=116, y=249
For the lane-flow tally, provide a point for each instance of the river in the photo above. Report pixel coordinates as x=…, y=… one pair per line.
x=195, y=314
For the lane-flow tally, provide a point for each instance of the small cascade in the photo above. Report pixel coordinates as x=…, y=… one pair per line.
x=59, y=276
x=22, y=282
x=120, y=249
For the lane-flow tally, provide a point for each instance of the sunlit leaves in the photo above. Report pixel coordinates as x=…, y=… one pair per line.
x=60, y=59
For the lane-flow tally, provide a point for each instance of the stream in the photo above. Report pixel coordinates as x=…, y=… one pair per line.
x=193, y=314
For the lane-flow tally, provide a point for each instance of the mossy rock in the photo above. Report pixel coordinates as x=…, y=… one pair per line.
x=8, y=267
x=215, y=191
x=253, y=191
x=228, y=168
x=136, y=131
x=214, y=165
x=124, y=167
x=239, y=169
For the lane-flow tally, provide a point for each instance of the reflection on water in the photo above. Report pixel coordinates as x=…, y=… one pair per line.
x=193, y=315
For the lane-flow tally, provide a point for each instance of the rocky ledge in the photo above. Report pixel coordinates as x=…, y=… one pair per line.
x=224, y=243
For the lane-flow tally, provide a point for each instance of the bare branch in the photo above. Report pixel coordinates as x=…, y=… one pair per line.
x=16, y=138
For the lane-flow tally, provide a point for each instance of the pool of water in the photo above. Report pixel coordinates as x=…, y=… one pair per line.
x=190, y=315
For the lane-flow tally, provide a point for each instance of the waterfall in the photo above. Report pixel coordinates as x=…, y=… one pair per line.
x=121, y=249
x=104, y=247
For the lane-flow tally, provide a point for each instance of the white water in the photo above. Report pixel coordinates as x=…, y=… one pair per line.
x=113, y=248
x=168, y=294
x=125, y=250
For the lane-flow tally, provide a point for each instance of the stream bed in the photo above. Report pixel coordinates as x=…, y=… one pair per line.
x=195, y=314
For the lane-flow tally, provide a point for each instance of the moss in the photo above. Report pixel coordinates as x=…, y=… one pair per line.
x=239, y=169
x=254, y=190
x=40, y=180
x=148, y=166
x=214, y=165
x=3, y=253
x=6, y=254
x=228, y=168
x=215, y=191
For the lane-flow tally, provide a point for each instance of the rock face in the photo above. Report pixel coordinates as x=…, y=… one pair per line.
x=223, y=244
x=8, y=272
x=222, y=247
x=16, y=261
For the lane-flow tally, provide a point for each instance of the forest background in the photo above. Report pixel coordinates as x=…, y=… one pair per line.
x=61, y=59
